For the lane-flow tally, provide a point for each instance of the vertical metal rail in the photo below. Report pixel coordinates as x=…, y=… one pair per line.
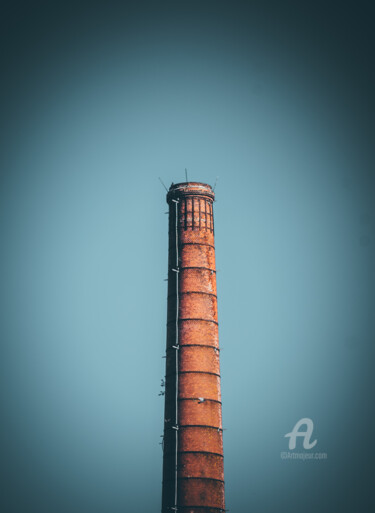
x=176, y=347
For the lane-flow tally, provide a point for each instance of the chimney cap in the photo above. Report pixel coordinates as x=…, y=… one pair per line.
x=179, y=190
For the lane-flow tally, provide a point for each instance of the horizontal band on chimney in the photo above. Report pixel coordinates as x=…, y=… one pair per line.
x=192, y=372
x=192, y=319
x=197, y=399
x=195, y=267
x=200, y=426
x=201, y=452
x=195, y=345
x=192, y=292
x=219, y=510
x=197, y=478
x=196, y=244
x=188, y=243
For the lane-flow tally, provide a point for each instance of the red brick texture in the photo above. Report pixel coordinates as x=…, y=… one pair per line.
x=193, y=465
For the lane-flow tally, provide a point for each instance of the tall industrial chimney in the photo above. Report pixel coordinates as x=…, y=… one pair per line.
x=193, y=465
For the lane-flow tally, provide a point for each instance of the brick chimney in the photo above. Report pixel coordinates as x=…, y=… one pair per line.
x=193, y=466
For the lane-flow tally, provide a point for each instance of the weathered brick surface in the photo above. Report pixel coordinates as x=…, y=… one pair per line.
x=201, y=492
x=192, y=344
x=201, y=439
x=197, y=255
x=196, y=358
x=192, y=305
x=193, y=385
x=203, y=236
x=192, y=413
x=193, y=332
x=201, y=464
x=198, y=280
x=199, y=384
x=198, y=306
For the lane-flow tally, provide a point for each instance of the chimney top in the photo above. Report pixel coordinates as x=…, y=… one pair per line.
x=179, y=190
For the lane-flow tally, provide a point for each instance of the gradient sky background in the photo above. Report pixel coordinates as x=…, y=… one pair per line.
x=100, y=100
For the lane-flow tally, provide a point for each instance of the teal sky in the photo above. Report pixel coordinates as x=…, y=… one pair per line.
x=99, y=108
